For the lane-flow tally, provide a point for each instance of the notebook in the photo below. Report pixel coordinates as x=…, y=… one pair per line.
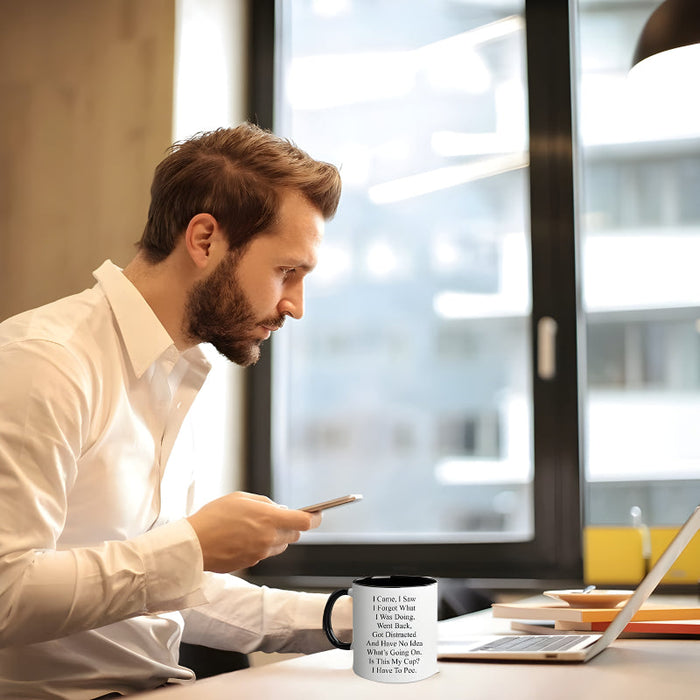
x=570, y=647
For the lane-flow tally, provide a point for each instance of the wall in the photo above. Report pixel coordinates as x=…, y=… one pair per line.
x=86, y=93
x=210, y=74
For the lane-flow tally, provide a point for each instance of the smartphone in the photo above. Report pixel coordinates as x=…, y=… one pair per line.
x=332, y=503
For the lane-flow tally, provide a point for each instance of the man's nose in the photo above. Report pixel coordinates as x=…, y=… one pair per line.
x=292, y=303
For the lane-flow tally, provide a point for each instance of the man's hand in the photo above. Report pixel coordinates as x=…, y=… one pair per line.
x=238, y=530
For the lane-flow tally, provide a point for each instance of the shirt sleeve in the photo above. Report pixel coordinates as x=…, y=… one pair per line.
x=241, y=616
x=46, y=593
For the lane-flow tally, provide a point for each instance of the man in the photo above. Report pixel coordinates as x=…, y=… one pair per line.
x=103, y=568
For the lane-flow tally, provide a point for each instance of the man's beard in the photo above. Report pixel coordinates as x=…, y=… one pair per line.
x=218, y=312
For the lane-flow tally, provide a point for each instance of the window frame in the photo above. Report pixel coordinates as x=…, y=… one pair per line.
x=555, y=553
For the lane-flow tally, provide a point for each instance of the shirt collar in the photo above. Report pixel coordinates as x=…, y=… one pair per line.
x=145, y=338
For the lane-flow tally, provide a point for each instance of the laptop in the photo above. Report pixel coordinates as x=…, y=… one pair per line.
x=575, y=646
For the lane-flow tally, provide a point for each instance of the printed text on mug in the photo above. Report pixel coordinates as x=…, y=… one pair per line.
x=393, y=647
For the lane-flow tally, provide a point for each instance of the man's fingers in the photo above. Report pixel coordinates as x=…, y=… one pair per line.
x=254, y=497
x=296, y=519
x=274, y=551
x=287, y=517
x=284, y=539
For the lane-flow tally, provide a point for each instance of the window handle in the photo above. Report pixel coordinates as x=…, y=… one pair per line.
x=547, y=348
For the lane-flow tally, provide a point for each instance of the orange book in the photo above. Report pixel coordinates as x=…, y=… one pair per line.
x=566, y=613
x=642, y=626
x=650, y=628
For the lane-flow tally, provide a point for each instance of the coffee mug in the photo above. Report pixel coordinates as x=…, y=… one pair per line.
x=394, y=621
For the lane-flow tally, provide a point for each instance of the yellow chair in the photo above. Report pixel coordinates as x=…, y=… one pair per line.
x=613, y=555
x=686, y=568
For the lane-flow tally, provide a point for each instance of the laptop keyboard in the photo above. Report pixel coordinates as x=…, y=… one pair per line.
x=533, y=642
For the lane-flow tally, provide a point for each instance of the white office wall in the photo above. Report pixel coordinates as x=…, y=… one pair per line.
x=210, y=53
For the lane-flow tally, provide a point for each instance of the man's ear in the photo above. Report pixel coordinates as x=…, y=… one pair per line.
x=200, y=236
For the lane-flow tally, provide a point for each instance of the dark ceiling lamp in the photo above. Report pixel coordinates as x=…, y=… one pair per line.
x=674, y=24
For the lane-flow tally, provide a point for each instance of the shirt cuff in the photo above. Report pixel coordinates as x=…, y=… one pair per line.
x=174, y=567
x=309, y=612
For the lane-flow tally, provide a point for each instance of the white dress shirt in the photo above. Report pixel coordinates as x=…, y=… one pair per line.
x=100, y=574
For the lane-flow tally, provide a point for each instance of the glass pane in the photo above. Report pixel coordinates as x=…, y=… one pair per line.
x=640, y=247
x=409, y=380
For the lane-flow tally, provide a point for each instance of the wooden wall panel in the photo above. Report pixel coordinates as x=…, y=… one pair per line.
x=86, y=95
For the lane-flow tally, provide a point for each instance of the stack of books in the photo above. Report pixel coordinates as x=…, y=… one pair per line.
x=651, y=620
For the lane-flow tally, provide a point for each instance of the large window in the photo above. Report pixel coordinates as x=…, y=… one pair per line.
x=640, y=224
x=432, y=365
x=478, y=357
x=412, y=375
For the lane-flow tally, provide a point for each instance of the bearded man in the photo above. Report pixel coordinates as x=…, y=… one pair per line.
x=104, y=568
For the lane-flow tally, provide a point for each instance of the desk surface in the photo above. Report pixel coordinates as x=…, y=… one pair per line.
x=630, y=668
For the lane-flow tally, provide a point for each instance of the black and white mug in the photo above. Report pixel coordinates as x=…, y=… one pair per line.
x=394, y=621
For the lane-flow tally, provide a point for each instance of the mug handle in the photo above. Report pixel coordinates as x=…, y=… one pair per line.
x=327, y=618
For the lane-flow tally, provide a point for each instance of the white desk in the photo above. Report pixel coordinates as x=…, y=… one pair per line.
x=663, y=669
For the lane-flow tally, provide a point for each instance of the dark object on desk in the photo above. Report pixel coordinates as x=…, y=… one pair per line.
x=457, y=598
x=207, y=662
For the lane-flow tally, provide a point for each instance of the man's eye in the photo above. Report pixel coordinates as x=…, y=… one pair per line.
x=286, y=271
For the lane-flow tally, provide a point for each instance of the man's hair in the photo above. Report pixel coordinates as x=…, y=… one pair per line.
x=236, y=175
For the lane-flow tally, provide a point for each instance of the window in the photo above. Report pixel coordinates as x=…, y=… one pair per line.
x=423, y=374
x=639, y=222
x=502, y=340
x=422, y=296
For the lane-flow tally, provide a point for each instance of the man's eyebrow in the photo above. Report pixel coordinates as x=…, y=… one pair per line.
x=299, y=265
